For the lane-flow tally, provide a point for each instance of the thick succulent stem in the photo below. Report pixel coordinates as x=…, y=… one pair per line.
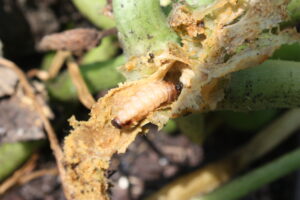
x=142, y=26
x=273, y=84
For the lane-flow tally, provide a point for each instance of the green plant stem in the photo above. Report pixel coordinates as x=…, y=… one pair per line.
x=98, y=76
x=255, y=179
x=142, y=26
x=12, y=155
x=105, y=51
x=93, y=10
x=268, y=138
x=273, y=84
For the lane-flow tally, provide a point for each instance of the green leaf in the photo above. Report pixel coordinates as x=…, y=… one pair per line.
x=12, y=155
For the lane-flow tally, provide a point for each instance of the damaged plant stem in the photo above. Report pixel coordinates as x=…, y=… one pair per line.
x=155, y=55
x=128, y=13
x=288, y=97
x=86, y=174
x=279, y=78
x=246, y=89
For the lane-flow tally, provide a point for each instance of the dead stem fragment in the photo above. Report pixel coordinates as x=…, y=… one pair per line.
x=84, y=95
x=36, y=174
x=26, y=174
x=57, y=63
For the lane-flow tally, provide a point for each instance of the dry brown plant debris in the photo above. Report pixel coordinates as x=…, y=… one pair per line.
x=26, y=174
x=84, y=95
x=75, y=40
x=30, y=93
x=20, y=122
x=15, y=178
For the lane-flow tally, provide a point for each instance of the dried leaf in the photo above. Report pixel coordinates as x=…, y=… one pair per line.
x=76, y=40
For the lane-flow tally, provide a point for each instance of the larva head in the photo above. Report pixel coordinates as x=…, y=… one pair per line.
x=117, y=123
x=178, y=87
x=175, y=90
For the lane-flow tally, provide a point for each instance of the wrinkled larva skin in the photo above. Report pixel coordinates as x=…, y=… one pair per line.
x=146, y=100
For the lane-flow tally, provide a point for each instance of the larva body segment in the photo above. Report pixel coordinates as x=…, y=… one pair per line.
x=147, y=99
